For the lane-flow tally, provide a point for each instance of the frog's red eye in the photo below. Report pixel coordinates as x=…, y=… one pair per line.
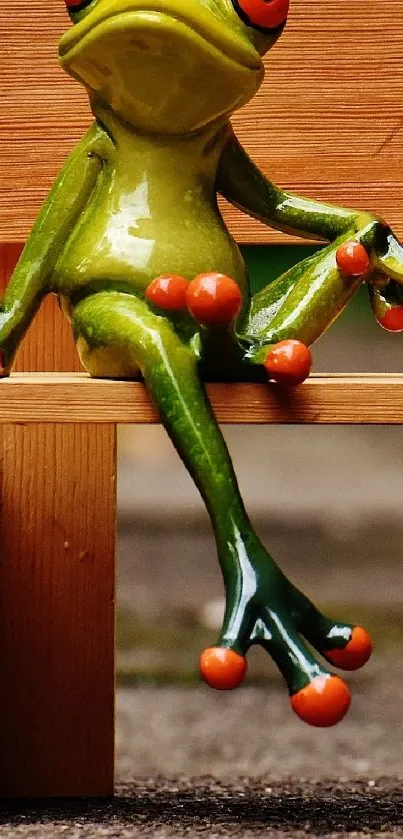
x=263, y=14
x=76, y=5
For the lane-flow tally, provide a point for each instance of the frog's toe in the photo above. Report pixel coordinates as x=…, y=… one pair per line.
x=355, y=652
x=222, y=668
x=323, y=702
x=343, y=645
x=318, y=697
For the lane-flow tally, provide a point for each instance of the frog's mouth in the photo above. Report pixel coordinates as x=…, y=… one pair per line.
x=201, y=22
x=164, y=69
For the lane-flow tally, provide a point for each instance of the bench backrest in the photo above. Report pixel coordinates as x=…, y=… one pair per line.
x=327, y=121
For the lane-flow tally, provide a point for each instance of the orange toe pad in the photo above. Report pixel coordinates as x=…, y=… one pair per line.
x=355, y=654
x=323, y=702
x=222, y=668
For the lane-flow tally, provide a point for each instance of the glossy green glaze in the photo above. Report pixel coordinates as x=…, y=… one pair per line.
x=137, y=199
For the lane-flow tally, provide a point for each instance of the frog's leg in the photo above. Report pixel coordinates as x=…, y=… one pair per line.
x=322, y=290
x=316, y=292
x=262, y=606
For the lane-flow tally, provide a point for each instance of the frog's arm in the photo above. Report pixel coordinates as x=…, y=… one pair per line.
x=31, y=279
x=242, y=183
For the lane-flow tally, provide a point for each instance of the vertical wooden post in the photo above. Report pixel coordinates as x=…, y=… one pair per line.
x=57, y=534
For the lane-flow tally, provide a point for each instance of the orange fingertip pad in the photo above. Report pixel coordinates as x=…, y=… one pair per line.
x=352, y=258
x=323, y=702
x=222, y=668
x=168, y=292
x=356, y=652
x=392, y=320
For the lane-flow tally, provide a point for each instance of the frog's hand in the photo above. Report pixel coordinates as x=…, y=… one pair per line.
x=32, y=276
x=242, y=183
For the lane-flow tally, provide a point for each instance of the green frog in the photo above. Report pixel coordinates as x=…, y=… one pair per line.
x=132, y=242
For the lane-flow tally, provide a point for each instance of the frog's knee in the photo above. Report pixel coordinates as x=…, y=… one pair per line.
x=98, y=339
x=106, y=362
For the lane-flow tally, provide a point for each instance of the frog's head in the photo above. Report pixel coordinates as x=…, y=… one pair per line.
x=171, y=66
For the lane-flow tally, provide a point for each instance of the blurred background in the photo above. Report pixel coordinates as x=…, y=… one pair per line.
x=327, y=503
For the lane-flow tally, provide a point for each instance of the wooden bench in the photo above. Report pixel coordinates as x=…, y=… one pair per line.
x=327, y=123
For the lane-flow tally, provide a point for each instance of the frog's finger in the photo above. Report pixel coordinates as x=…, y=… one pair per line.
x=288, y=362
x=387, y=304
x=387, y=255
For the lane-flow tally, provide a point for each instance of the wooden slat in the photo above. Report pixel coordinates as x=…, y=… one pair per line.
x=326, y=122
x=322, y=400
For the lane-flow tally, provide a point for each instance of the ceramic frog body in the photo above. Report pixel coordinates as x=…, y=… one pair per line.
x=131, y=240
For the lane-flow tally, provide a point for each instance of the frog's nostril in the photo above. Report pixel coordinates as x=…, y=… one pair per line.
x=262, y=14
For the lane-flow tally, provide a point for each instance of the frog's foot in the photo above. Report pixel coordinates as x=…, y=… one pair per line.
x=317, y=696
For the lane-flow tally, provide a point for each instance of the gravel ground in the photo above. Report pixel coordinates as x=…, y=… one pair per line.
x=196, y=731
x=156, y=807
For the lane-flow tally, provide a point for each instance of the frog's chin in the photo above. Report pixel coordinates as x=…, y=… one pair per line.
x=158, y=73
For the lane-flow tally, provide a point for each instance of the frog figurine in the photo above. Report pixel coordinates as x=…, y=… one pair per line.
x=131, y=241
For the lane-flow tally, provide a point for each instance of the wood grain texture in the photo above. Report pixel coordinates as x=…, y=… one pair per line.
x=327, y=122
x=57, y=610
x=57, y=573
x=338, y=399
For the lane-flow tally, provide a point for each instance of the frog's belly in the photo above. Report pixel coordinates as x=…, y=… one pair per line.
x=128, y=259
